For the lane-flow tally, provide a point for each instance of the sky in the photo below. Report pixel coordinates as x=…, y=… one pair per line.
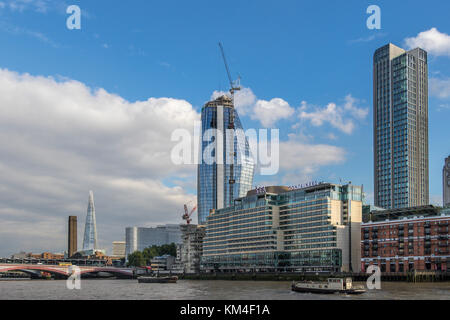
x=94, y=108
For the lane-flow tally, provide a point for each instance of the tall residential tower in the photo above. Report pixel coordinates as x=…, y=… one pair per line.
x=227, y=166
x=400, y=115
x=446, y=182
x=90, y=228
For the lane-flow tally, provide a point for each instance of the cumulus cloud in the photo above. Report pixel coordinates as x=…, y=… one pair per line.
x=60, y=139
x=266, y=112
x=340, y=117
x=269, y=112
x=301, y=159
x=432, y=41
x=440, y=87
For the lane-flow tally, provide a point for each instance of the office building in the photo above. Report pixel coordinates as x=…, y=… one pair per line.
x=446, y=182
x=137, y=239
x=118, y=249
x=406, y=239
x=90, y=228
x=227, y=167
x=72, y=236
x=308, y=229
x=400, y=106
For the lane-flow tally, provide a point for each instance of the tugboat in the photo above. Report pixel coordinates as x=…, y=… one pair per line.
x=147, y=279
x=333, y=285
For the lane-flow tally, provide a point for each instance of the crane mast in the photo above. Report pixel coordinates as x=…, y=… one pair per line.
x=234, y=86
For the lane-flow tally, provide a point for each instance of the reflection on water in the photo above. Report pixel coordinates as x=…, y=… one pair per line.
x=205, y=290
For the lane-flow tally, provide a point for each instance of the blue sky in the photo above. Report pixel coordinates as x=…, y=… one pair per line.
x=306, y=53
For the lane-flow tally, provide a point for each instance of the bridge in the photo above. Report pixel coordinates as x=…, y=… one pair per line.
x=63, y=271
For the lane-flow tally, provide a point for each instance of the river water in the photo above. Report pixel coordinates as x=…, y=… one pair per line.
x=204, y=290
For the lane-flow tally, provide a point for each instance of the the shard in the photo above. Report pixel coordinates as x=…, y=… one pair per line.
x=90, y=228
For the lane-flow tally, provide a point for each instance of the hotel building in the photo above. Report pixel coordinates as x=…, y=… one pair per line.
x=402, y=240
x=309, y=229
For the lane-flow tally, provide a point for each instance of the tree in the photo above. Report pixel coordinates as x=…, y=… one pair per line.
x=136, y=259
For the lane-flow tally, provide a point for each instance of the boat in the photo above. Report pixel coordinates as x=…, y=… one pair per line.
x=147, y=279
x=333, y=285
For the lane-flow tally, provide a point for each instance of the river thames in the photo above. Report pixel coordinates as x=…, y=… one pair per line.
x=205, y=290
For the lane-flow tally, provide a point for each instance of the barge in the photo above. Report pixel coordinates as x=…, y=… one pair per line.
x=333, y=285
x=147, y=279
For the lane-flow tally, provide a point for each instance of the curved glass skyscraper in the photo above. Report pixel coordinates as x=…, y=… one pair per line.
x=227, y=167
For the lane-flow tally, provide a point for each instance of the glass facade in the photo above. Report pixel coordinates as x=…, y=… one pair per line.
x=137, y=239
x=90, y=228
x=229, y=175
x=400, y=127
x=282, y=229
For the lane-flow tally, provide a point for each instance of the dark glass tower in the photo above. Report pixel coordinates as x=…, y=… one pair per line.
x=227, y=173
x=400, y=110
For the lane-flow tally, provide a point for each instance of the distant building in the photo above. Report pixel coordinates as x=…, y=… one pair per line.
x=20, y=255
x=52, y=256
x=190, y=251
x=446, y=182
x=72, y=236
x=310, y=229
x=137, y=239
x=223, y=178
x=118, y=249
x=407, y=239
x=162, y=263
x=400, y=107
x=90, y=228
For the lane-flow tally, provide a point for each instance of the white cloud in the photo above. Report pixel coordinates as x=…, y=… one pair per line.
x=440, y=87
x=60, y=139
x=22, y=5
x=339, y=117
x=301, y=160
x=432, y=41
x=244, y=100
x=267, y=112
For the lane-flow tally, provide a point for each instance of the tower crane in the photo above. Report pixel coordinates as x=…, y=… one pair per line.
x=187, y=214
x=234, y=86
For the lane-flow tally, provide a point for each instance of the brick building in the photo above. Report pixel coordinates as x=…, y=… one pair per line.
x=403, y=240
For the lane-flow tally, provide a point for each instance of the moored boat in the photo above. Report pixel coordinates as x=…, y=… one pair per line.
x=146, y=279
x=333, y=285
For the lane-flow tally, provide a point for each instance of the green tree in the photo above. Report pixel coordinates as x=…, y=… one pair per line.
x=155, y=251
x=136, y=259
